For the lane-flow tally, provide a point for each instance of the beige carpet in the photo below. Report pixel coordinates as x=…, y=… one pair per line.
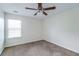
x=39, y=48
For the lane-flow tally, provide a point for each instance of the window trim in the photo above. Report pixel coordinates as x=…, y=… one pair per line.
x=18, y=28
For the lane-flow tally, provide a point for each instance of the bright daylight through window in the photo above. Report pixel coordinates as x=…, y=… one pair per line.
x=14, y=28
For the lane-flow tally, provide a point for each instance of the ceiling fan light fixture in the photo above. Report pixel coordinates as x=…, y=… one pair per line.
x=41, y=9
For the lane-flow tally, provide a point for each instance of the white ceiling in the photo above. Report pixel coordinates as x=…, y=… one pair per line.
x=20, y=7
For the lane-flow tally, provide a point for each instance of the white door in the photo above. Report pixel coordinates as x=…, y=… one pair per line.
x=1, y=32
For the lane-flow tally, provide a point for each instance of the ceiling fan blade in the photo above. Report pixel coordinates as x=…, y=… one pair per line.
x=45, y=13
x=49, y=8
x=31, y=8
x=36, y=13
x=40, y=6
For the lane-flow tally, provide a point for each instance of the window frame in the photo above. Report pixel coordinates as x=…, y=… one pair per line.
x=16, y=28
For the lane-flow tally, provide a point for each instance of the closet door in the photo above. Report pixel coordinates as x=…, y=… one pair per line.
x=1, y=32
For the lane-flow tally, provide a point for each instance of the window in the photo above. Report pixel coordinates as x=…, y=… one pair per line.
x=14, y=28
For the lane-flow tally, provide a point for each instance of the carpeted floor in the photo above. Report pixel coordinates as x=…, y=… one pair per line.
x=39, y=48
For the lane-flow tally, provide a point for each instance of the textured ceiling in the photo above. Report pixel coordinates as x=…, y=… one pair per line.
x=20, y=7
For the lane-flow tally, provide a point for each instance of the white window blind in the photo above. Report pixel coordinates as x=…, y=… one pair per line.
x=14, y=28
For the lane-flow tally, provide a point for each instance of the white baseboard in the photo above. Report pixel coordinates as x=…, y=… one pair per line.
x=63, y=46
x=19, y=43
x=24, y=42
x=1, y=51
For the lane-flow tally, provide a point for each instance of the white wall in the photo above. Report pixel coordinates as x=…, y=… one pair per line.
x=63, y=29
x=1, y=31
x=31, y=30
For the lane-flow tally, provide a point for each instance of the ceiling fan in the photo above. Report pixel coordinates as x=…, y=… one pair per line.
x=40, y=8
